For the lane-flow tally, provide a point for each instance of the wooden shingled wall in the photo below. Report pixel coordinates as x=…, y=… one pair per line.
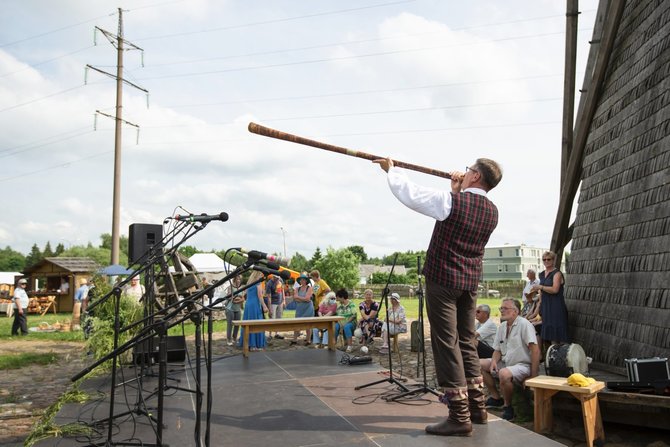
x=618, y=288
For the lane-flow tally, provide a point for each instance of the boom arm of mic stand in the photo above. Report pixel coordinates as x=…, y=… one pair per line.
x=145, y=333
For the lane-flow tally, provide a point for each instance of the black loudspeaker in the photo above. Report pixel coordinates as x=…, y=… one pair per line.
x=148, y=351
x=141, y=237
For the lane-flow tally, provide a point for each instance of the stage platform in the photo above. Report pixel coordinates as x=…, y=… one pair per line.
x=283, y=398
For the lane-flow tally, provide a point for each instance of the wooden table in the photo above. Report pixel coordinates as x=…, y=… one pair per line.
x=546, y=386
x=288, y=324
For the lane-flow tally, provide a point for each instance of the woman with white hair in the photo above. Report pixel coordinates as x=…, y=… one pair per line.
x=396, y=324
x=327, y=308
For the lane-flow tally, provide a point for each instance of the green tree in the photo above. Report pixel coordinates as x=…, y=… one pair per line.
x=359, y=251
x=34, y=256
x=60, y=248
x=381, y=278
x=408, y=259
x=11, y=260
x=339, y=268
x=299, y=263
x=99, y=255
x=316, y=257
x=106, y=239
x=48, y=252
x=188, y=250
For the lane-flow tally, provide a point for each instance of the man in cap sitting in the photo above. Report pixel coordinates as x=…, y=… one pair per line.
x=20, y=307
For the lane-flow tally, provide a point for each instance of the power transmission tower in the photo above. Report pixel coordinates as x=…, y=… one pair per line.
x=117, y=41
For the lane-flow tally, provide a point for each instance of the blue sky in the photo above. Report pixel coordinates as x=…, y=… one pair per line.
x=432, y=82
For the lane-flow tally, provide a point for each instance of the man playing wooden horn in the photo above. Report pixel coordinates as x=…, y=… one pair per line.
x=465, y=219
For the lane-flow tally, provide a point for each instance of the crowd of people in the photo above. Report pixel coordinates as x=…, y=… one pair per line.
x=267, y=298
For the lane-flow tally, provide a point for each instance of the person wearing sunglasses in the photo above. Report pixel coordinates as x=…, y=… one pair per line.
x=552, y=307
x=464, y=220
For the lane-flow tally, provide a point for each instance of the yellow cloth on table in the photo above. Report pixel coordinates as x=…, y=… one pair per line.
x=577, y=379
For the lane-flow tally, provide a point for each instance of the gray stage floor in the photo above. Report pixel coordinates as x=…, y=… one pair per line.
x=290, y=398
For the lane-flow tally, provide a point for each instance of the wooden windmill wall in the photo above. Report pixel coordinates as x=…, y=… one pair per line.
x=618, y=291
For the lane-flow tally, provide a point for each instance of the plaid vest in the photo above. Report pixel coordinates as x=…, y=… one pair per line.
x=454, y=257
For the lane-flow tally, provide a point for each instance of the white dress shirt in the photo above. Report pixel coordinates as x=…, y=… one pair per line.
x=430, y=202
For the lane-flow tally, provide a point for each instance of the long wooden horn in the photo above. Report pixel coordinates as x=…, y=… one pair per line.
x=278, y=134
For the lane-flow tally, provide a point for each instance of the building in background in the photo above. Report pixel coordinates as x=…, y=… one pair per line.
x=365, y=271
x=511, y=262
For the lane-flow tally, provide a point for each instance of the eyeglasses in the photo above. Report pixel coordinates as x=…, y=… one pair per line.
x=468, y=168
x=478, y=311
x=505, y=308
x=547, y=259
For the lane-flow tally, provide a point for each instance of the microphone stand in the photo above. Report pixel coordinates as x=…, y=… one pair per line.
x=421, y=355
x=150, y=258
x=385, y=301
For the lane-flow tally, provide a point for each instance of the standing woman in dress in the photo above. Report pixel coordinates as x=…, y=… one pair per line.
x=552, y=307
x=253, y=310
x=304, y=307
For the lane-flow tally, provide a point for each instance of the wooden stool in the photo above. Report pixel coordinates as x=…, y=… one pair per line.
x=394, y=344
x=545, y=387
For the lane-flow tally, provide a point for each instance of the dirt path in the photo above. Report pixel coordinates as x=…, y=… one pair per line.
x=27, y=392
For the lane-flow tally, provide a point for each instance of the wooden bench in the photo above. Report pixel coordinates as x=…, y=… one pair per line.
x=546, y=386
x=287, y=324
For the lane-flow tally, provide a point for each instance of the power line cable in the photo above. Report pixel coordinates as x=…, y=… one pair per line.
x=46, y=33
x=363, y=92
x=51, y=95
x=415, y=109
x=267, y=22
x=351, y=42
x=43, y=141
x=343, y=58
x=37, y=64
x=49, y=168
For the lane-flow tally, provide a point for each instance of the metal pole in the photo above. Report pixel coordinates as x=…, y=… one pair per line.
x=116, y=205
x=283, y=232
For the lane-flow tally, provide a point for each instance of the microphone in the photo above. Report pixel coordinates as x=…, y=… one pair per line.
x=292, y=273
x=270, y=264
x=202, y=217
x=283, y=274
x=259, y=255
x=275, y=266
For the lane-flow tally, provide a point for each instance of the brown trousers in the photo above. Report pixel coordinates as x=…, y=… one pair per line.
x=76, y=313
x=451, y=314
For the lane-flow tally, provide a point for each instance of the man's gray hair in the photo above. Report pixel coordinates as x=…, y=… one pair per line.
x=517, y=303
x=532, y=270
x=485, y=308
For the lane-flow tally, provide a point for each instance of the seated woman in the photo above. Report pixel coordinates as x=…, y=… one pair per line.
x=396, y=324
x=369, y=323
x=531, y=312
x=346, y=309
x=327, y=308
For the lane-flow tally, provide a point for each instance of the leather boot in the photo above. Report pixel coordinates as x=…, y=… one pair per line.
x=477, y=401
x=456, y=424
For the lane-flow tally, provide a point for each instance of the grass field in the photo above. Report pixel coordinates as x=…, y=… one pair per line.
x=411, y=308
